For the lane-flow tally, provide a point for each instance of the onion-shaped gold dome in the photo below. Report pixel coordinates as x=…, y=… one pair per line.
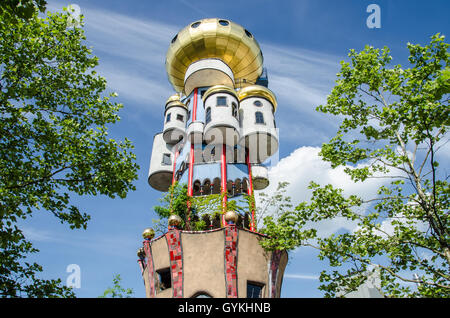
x=231, y=216
x=258, y=91
x=174, y=220
x=174, y=100
x=219, y=89
x=148, y=233
x=214, y=38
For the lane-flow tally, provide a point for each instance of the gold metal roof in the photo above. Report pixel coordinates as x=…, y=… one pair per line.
x=214, y=38
x=174, y=100
x=219, y=89
x=258, y=91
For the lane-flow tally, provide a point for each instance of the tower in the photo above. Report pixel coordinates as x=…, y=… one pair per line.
x=219, y=127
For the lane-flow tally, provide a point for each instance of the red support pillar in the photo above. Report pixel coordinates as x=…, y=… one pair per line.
x=250, y=191
x=223, y=172
x=191, y=159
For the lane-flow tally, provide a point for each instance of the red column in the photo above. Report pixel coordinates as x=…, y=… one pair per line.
x=250, y=191
x=191, y=157
x=223, y=172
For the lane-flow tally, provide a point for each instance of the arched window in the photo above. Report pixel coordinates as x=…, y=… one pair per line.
x=168, y=117
x=208, y=115
x=234, y=110
x=201, y=295
x=259, y=118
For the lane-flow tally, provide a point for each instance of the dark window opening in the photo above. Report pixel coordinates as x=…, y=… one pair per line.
x=221, y=101
x=223, y=22
x=180, y=117
x=234, y=110
x=168, y=117
x=195, y=24
x=259, y=118
x=202, y=295
x=257, y=103
x=164, y=280
x=166, y=159
x=208, y=115
x=248, y=34
x=254, y=290
x=174, y=38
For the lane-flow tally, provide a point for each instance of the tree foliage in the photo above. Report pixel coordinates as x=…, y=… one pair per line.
x=394, y=122
x=117, y=291
x=191, y=209
x=23, y=9
x=54, y=141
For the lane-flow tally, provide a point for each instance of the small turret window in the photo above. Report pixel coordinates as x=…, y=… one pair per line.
x=221, y=101
x=257, y=103
x=166, y=159
x=259, y=118
x=208, y=115
x=195, y=24
x=180, y=117
x=168, y=117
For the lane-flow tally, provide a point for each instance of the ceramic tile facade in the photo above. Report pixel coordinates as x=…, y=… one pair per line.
x=231, y=238
x=150, y=267
x=173, y=237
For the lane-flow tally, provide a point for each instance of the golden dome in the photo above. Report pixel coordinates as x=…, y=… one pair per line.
x=214, y=38
x=219, y=89
x=148, y=233
x=174, y=100
x=258, y=91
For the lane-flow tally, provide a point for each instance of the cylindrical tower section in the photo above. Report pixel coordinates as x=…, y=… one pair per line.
x=258, y=129
x=260, y=177
x=161, y=164
x=221, y=115
x=175, y=117
x=207, y=72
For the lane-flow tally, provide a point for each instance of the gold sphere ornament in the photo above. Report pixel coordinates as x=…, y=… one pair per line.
x=141, y=252
x=231, y=217
x=174, y=220
x=148, y=233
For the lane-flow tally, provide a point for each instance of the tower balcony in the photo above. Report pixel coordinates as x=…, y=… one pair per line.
x=260, y=177
x=175, y=118
x=221, y=116
x=161, y=164
x=195, y=132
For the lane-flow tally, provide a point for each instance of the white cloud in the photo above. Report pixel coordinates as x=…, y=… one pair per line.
x=301, y=276
x=305, y=165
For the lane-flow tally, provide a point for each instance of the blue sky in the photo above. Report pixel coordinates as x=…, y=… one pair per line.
x=302, y=42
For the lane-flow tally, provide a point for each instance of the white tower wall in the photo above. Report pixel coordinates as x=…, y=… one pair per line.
x=224, y=124
x=161, y=164
x=175, y=127
x=258, y=130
